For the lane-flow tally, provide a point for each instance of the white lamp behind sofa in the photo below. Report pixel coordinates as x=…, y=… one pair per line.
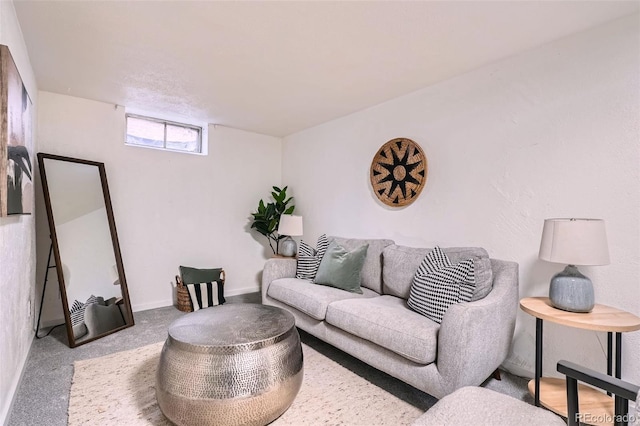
x=290, y=225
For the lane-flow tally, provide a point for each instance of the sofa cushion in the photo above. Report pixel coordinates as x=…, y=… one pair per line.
x=439, y=284
x=371, y=276
x=401, y=264
x=312, y=299
x=341, y=268
x=386, y=321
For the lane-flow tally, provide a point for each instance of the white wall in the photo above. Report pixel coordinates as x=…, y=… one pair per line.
x=552, y=132
x=17, y=245
x=170, y=208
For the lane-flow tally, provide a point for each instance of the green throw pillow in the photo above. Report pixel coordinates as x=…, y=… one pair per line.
x=197, y=276
x=341, y=268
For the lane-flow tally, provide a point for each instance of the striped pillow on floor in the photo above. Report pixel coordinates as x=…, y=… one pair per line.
x=77, y=313
x=205, y=295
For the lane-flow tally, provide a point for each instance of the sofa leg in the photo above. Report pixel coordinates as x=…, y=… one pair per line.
x=496, y=375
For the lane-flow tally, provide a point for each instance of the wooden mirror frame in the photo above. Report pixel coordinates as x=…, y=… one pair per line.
x=128, y=315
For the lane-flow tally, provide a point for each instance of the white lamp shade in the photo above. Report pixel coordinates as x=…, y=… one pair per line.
x=290, y=225
x=574, y=242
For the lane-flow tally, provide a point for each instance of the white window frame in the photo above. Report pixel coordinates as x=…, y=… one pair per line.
x=202, y=146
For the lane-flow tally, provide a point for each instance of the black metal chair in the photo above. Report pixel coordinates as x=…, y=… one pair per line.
x=623, y=392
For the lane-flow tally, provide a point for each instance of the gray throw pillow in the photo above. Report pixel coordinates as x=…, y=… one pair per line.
x=341, y=268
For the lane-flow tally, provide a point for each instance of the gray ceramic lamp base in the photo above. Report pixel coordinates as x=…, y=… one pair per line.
x=288, y=247
x=571, y=291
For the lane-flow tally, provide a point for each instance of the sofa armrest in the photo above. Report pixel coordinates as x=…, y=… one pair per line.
x=275, y=268
x=475, y=337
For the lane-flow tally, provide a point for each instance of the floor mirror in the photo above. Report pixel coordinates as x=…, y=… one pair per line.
x=85, y=248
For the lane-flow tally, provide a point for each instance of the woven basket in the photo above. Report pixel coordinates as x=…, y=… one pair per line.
x=184, y=301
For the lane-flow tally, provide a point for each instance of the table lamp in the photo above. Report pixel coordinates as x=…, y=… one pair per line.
x=290, y=225
x=573, y=242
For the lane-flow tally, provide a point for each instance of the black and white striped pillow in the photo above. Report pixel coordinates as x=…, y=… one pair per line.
x=309, y=258
x=205, y=295
x=77, y=309
x=77, y=313
x=438, y=284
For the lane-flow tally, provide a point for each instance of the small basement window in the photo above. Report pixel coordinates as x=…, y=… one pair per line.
x=162, y=134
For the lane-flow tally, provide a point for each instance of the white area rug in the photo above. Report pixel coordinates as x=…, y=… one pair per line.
x=119, y=389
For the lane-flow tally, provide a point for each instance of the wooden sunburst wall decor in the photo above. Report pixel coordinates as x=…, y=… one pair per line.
x=398, y=172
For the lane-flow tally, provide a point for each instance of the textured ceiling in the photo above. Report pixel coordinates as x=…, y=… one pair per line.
x=279, y=67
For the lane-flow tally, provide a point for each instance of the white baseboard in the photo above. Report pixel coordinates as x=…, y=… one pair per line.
x=6, y=408
x=51, y=322
x=151, y=305
x=239, y=291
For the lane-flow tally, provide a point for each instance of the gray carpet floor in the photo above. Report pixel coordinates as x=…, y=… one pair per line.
x=42, y=397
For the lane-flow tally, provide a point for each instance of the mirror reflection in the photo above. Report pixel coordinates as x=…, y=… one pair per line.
x=94, y=295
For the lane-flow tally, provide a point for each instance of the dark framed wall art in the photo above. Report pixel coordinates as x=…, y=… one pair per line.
x=16, y=172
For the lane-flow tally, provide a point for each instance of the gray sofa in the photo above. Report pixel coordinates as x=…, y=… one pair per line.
x=378, y=328
x=99, y=318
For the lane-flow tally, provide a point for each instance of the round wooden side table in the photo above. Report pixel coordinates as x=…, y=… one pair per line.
x=551, y=392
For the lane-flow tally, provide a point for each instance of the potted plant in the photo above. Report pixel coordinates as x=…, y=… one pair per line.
x=267, y=218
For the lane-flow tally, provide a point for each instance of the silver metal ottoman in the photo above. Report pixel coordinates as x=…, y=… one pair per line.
x=236, y=364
